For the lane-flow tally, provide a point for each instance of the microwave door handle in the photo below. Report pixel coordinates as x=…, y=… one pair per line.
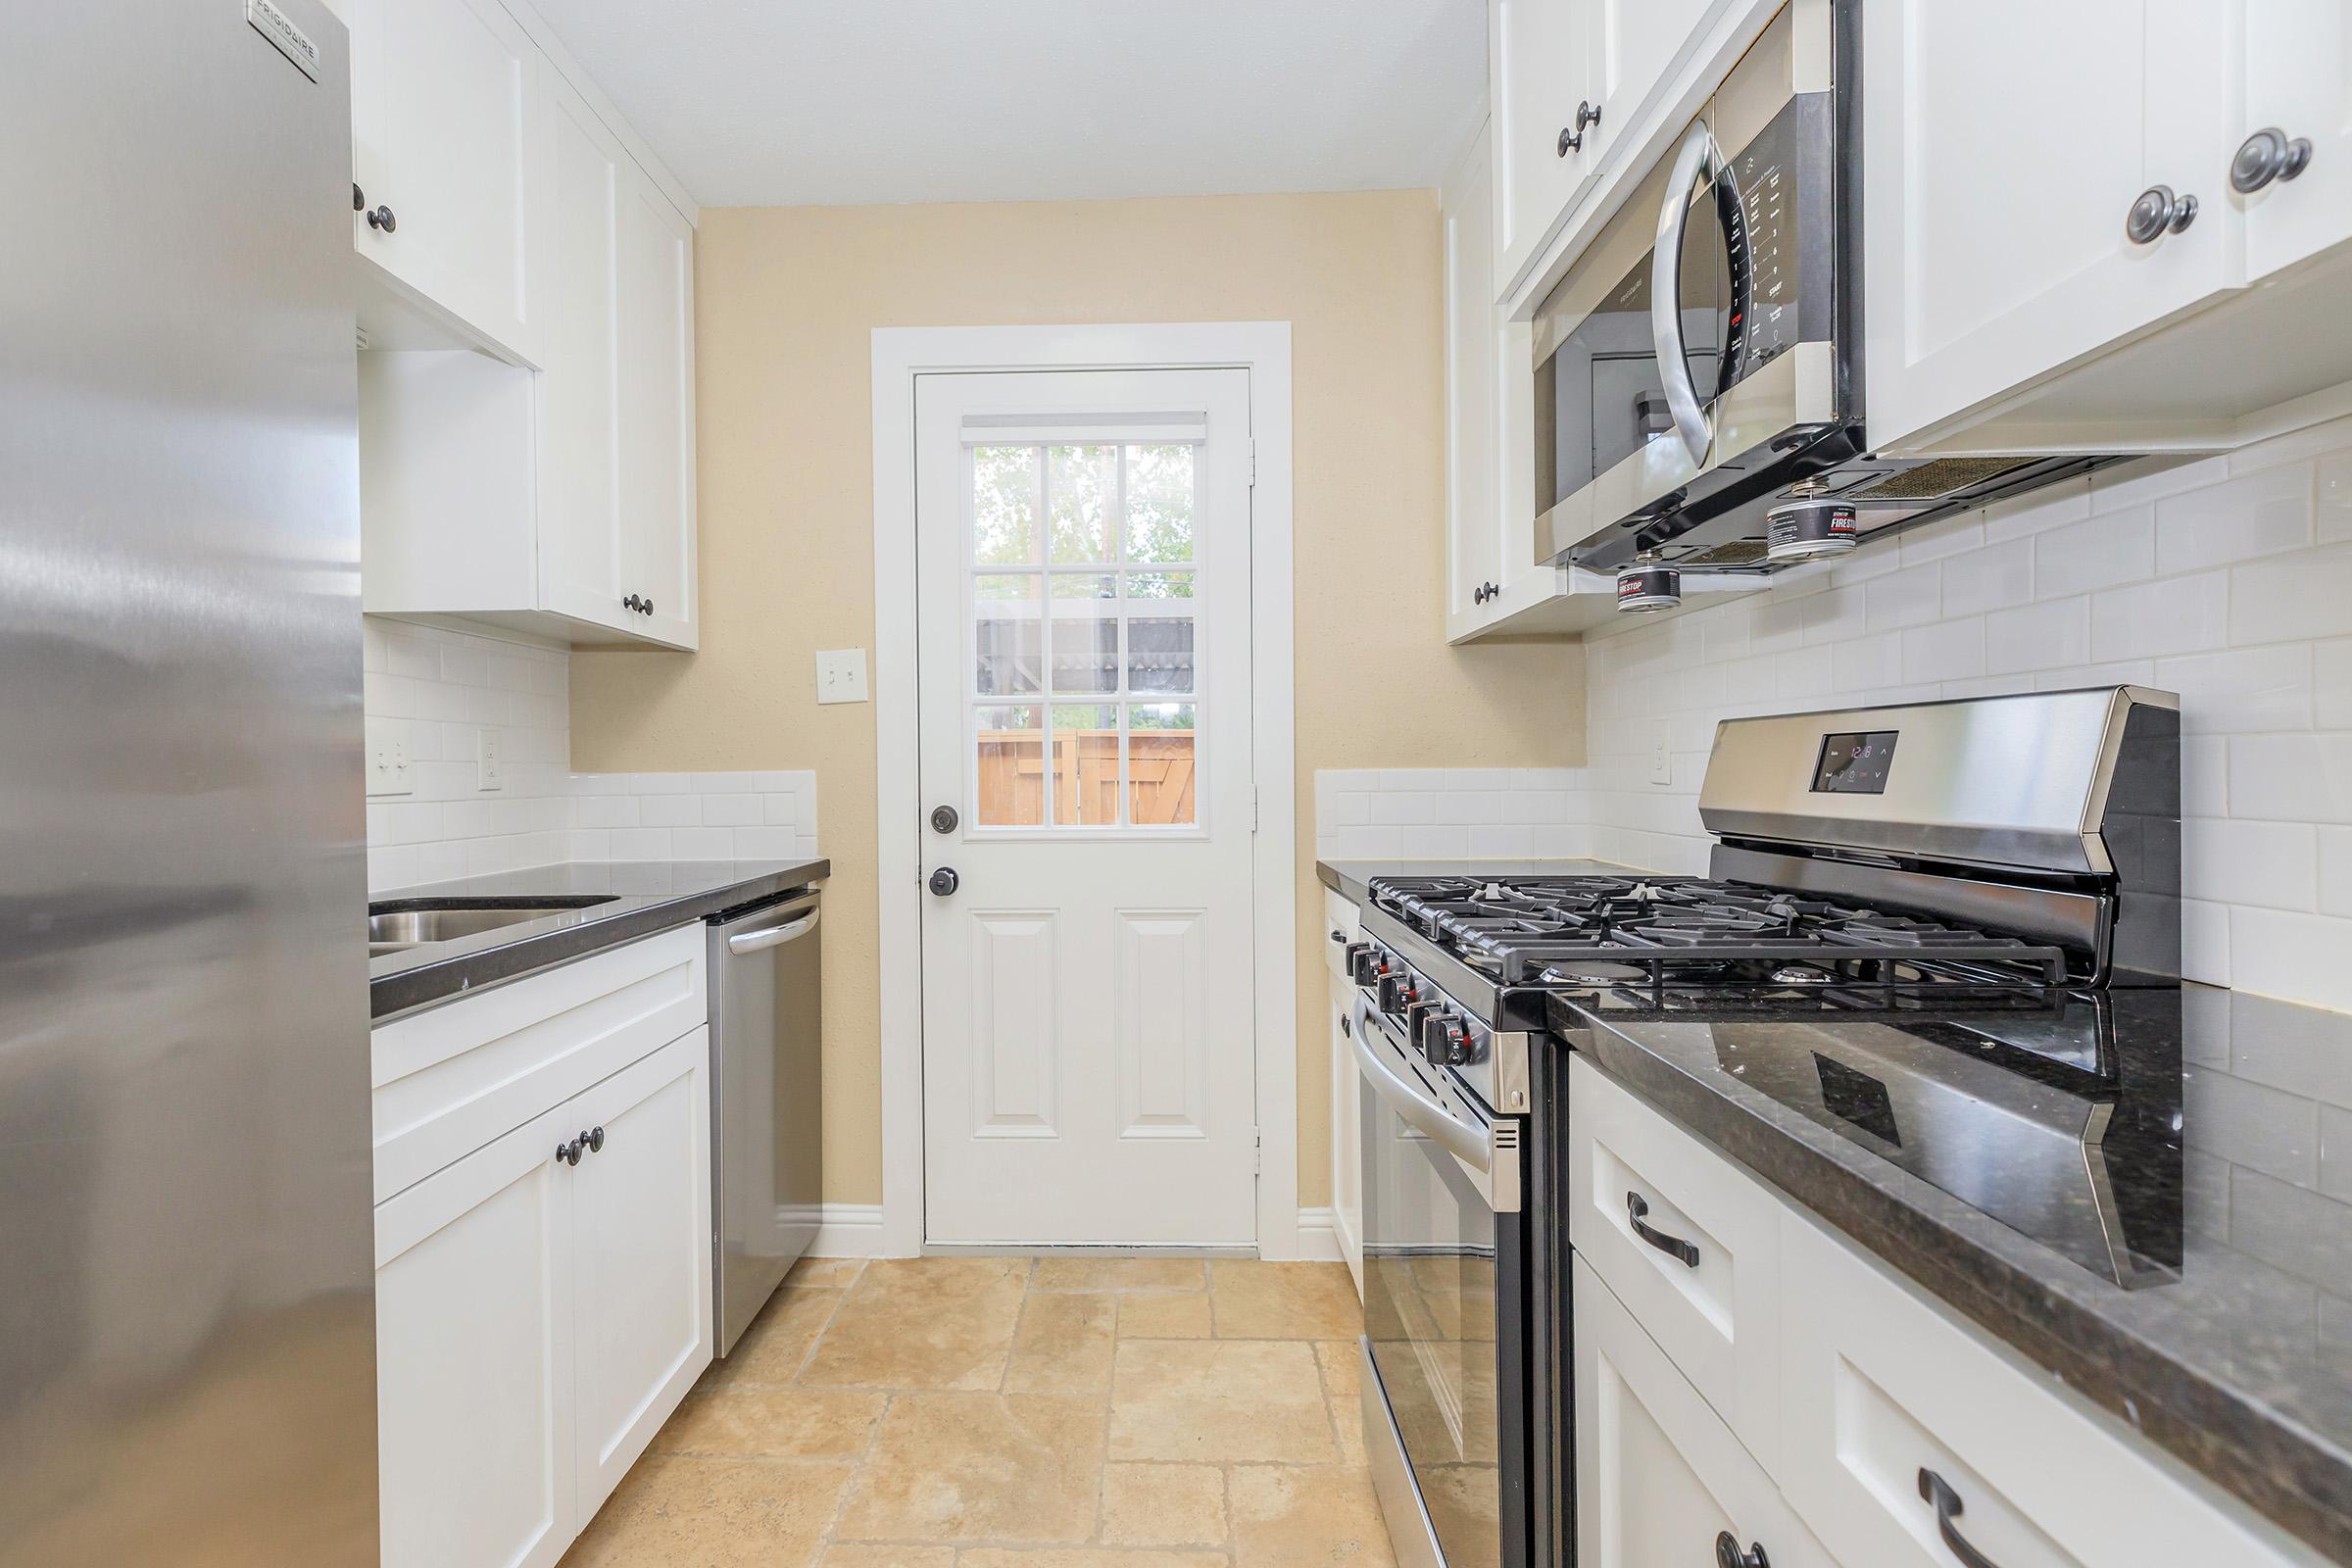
x=1459, y=1138
x=1698, y=155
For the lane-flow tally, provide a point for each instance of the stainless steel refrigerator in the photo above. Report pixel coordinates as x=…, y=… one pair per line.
x=187, y=1301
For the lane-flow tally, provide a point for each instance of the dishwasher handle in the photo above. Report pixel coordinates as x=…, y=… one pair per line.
x=774, y=936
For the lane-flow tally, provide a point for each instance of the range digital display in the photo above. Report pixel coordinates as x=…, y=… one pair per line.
x=1855, y=763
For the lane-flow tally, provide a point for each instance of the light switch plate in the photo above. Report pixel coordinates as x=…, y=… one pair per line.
x=1661, y=761
x=489, y=768
x=391, y=759
x=840, y=675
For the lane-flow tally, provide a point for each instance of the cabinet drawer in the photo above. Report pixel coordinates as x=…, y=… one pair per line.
x=1661, y=1479
x=451, y=1079
x=1881, y=1386
x=1704, y=1282
x=1340, y=921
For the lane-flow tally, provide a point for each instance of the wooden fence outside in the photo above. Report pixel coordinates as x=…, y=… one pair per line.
x=1084, y=770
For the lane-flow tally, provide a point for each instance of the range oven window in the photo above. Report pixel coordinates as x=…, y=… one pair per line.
x=1435, y=1253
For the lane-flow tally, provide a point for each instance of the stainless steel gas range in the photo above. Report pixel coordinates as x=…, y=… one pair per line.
x=1978, y=882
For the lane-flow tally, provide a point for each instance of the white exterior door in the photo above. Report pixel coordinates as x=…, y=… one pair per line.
x=1082, y=561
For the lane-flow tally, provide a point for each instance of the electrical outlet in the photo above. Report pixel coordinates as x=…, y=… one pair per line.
x=391, y=760
x=840, y=675
x=1661, y=761
x=489, y=770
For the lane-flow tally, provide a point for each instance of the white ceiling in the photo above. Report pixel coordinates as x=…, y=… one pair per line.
x=800, y=102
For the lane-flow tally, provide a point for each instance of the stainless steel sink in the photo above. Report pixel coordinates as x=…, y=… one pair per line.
x=397, y=924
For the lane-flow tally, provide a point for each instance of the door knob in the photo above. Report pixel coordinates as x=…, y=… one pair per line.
x=944, y=820
x=2267, y=155
x=2156, y=213
x=945, y=881
x=382, y=219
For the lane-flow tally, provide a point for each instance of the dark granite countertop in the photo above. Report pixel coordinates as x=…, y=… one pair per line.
x=649, y=896
x=1351, y=879
x=2235, y=1353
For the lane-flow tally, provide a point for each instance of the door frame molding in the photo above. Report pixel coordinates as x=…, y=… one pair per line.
x=1263, y=349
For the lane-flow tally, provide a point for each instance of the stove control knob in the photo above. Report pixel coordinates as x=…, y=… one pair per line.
x=1396, y=991
x=1446, y=1039
x=1363, y=963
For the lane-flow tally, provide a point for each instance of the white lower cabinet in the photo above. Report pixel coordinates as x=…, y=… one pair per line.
x=473, y=1356
x=1660, y=1481
x=542, y=1301
x=1341, y=927
x=640, y=1257
x=1910, y=1442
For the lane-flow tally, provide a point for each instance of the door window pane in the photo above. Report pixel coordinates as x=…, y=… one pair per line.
x=1006, y=646
x=1004, y=506
x=1086, y=632
x=1161, y=752
x=1159, y=652
x=1009, y=759
x=1083, y=489
x=1086, y=764
x=1159, y=503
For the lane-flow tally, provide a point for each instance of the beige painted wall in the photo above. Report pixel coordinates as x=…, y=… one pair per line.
x=786, y=300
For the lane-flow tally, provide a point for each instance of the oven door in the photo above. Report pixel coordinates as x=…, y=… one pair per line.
x=1446, y=1405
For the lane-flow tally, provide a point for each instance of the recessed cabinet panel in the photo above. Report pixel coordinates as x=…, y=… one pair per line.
x=444, y=122
x=1471, y=466
x=1540, y=69
x=473, y=1360
x=641, y=1256
x=656, y=251
x=580, y=398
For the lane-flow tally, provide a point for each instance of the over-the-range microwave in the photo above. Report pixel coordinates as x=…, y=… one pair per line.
x=1699, y=388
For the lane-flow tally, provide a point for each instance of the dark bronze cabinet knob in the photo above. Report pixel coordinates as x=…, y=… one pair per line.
x=382, y=219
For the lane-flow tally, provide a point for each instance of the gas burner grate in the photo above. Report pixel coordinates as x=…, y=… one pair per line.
x=1691, y=941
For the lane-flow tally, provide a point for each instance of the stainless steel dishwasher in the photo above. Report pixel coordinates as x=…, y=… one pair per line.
x=766, y=1150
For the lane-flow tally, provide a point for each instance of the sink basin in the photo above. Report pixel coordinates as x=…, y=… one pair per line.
x=395, y=924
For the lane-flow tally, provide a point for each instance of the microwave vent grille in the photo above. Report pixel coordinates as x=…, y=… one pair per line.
x=1731, y=552
x=1931, y=481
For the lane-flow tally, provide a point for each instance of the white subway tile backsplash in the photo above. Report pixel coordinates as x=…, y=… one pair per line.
x=2307, y=595
x=2174, y=616
x=1911, y=596
x=2228, y=581
x=2101, y=551
x=2263, y=513
x=452, y=686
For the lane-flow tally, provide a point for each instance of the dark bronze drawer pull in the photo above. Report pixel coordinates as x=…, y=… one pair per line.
x=1672, y=1246
x=1947, y=1504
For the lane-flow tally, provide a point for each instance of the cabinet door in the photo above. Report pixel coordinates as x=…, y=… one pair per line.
x=1346, y=1132
x=656, y=249
x=579, y=393
x=473, y=1359
x=641, y=1256
x=1539, y=64
x=1474, y=539
x=1659, y=1478
x=1632, y=44
x=446, y=131
x=2299, y=82
x=1993, y=244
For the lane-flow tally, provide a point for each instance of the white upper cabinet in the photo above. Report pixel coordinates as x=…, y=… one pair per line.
x=1994, y=240
x=1474, y=542
x=1539, y=69
x=445, y=150
x=1631, y=46
x=550, y=488
x=2072, y=269
x=654, y=246
x=2298, y=56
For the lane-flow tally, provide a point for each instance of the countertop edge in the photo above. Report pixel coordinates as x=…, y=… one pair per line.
x=464, y=974
x=2270, y=1463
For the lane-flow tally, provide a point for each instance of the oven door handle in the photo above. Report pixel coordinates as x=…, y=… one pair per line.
x=1465, y=1140
x=1698, y=155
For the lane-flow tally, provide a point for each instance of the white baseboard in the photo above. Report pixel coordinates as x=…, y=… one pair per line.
x=1319, y=1237
x=849, y=1230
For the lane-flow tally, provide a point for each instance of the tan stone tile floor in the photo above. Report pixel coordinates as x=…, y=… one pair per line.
x=1055, y=1412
